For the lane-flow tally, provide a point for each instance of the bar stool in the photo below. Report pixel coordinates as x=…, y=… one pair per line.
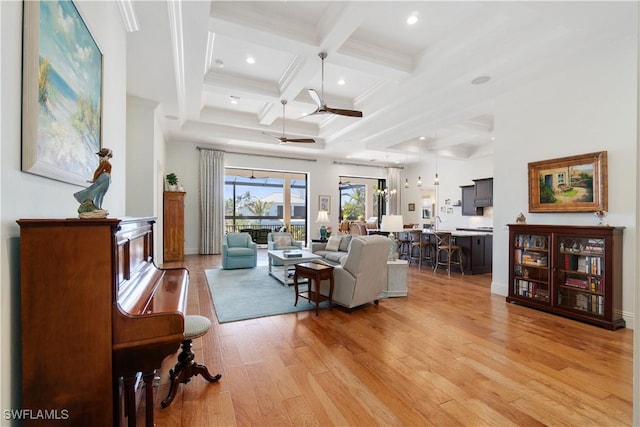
x=403, y=245
x=444, y=244
x=194, y=327
x=428, y=249
x=415, y=247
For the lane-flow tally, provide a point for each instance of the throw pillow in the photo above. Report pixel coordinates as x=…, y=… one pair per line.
x=282, y=240
x=333, y=243
x=344, y=243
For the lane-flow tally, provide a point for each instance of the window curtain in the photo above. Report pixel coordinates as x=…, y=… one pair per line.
x=393, y=183
x=211, y=201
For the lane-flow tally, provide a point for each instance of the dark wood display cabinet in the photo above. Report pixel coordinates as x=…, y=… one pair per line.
x=572, y=271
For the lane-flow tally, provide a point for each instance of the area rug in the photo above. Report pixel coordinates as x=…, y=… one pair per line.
x=248, y=293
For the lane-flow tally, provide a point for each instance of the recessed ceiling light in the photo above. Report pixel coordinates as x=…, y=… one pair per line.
x=422, y=138
x=412, y=19
x=234, y=99
x=480, y=80
x=219, y=63
x=341, y=82
x=171, y=117
x=251, y=60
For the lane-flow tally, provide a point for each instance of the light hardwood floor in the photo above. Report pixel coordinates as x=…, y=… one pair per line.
x=450, y=354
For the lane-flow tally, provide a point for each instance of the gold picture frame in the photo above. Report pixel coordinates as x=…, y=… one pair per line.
x=569, y=184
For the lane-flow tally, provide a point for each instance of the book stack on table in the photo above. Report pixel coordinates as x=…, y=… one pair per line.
x=292, y=254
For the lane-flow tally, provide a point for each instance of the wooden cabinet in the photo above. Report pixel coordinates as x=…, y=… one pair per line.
x=573, y=271
x=173, y=225
x=483, y=192
x=468, y=201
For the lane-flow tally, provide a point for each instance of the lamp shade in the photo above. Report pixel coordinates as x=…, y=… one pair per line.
x=323, y=217
x=392, y=223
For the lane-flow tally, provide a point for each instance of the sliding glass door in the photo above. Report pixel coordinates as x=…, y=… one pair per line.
x=260, y=201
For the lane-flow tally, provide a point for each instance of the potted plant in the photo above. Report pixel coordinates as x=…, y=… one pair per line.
x=172, y=180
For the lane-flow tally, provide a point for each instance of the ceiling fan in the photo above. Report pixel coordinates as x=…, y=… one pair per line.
x=319, y=99
x=283, y=139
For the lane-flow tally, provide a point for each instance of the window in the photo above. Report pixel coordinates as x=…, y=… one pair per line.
x=358, y=198
x=258, y=199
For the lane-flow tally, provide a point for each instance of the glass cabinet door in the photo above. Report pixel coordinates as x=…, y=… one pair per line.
x=581, y=275
x=531, y=277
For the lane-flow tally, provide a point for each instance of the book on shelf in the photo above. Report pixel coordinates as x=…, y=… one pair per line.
x=577, y=283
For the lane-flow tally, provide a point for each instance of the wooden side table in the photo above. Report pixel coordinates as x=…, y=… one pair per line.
x=314, y=272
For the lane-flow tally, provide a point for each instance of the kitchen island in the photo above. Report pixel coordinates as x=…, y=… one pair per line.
x=477, y=248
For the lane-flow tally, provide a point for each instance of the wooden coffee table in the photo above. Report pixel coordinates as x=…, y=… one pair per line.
x=282, y=273
x=315, y=273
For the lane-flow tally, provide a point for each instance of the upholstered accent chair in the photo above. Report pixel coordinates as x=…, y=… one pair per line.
x=362, y=273
x=281, y=241
x=239, y=251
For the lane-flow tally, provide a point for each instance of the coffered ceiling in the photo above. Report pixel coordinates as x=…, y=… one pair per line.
x=409, y=81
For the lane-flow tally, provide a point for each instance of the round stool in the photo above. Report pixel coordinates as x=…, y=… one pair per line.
x=194, y=327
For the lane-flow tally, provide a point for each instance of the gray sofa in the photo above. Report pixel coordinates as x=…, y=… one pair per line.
x=334, y=254
x=361, y=274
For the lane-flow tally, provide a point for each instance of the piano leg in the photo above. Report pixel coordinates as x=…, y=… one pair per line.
x=148, y=391
x=184, y=370
x=130, y=400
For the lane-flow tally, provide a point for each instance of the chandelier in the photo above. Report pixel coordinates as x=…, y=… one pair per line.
x=384, y=192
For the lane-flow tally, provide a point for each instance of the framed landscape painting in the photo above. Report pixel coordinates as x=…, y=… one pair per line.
x=569, y=184
x=61, y=93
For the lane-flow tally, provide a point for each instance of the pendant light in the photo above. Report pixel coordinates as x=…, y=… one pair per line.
x=406, y=163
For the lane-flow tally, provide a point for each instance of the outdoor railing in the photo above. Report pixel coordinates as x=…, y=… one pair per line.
x=298, y=231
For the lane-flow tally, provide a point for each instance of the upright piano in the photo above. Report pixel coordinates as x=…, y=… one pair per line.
x=96, y=316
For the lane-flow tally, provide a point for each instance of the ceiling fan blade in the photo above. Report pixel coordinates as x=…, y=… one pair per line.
x=319, y=99
x=350, y=113
x=316, y=98
x=302, y=140
x=283, y=139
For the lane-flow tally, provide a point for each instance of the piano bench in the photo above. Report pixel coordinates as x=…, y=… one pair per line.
x=194, y=327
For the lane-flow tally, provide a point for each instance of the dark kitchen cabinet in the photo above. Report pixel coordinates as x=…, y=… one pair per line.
x=483, y=192
x=477, y=252
x=468, y=201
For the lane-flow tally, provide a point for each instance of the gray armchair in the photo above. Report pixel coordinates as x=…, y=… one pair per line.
x=281, y=241
x=362, y=273
x=239, y=251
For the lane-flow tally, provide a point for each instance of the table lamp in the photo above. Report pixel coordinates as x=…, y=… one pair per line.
x=392, y=224
x=323, y=219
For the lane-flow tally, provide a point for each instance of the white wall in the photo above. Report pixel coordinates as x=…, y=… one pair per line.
x=25, y=195
x=452, y=174
x=577, y=108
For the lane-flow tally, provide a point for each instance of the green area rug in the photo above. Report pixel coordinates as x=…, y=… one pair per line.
x=248, y=293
